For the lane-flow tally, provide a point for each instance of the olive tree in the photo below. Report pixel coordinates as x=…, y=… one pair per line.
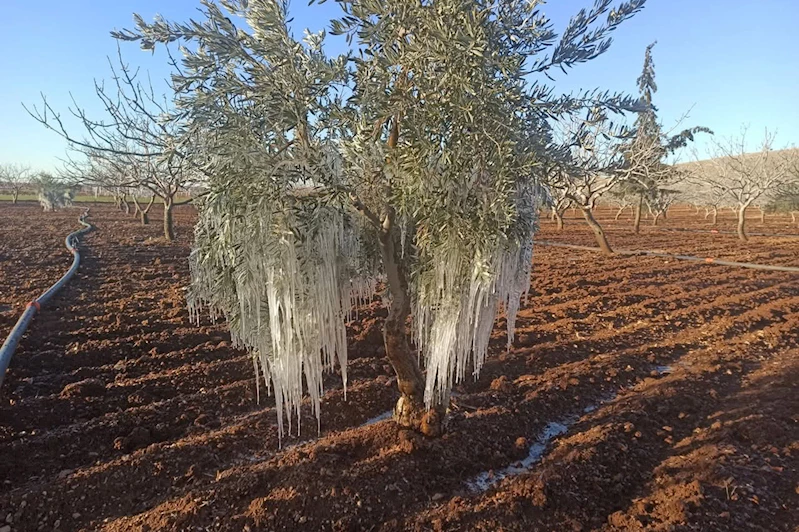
x=53, y=193
x=409, y=161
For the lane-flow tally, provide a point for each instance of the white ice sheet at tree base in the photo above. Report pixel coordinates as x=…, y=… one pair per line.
x=382, y=417
x=485, y=480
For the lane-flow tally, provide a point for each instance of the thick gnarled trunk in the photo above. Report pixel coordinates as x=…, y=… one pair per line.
x=410, y=411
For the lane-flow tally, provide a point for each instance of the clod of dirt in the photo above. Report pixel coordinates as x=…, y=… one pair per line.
x=138, y=437
x=521, y=444
x=84, y=388
x=409, y=440
x=204, y=420
x=502, y=384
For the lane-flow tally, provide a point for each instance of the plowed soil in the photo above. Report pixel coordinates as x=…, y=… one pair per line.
x=675, y=383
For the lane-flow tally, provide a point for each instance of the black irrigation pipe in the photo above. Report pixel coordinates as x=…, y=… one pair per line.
x=10, y=345
x=713, y=231
x=691, y=258
x=716, y=231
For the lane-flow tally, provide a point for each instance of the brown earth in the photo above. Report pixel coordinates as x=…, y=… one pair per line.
x=680, y=379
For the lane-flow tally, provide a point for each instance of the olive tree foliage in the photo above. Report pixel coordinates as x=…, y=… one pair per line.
x=744, y=178
x=14, y=178
x=646, y=177
x=411, y=160
x=54, y=193
x=136, y=145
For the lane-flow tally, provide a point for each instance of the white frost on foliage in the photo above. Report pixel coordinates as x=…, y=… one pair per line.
x=453, y=320
x=287, y=291
x=294, y=295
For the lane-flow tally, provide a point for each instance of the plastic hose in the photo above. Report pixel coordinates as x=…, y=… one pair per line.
x=705, y=260
x=716, y=231
x=10, y=345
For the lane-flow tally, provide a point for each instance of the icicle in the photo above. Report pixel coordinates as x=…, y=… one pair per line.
x=288, y=301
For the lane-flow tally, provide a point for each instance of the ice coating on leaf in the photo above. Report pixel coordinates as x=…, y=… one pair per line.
x=291, y=291
x=454, y=319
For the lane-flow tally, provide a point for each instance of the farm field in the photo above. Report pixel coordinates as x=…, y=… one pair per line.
x=667, y=389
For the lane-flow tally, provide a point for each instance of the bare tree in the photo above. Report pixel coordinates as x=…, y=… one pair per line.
x=556, y=197
x=620, y=199
x=785, y=198
x=14, y=178
x=587, y=167
x=140, y=136
x=744, y=177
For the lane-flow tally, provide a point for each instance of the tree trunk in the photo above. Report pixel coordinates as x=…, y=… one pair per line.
x=410, y=411
x=14, y=196
x=125, y=204
x=597, y=229
x=144, y=214
x=656, y=217
x=637, y=218
x=558, y=220
x=793, y=217
x=715, y=218
x=618, y=213
x=169, y=230
x=742, y=223
x=762, y=216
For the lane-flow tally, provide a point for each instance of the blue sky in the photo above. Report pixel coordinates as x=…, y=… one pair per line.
x=730, y=62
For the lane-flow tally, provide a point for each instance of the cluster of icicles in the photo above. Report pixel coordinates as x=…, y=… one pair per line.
x=289, y=298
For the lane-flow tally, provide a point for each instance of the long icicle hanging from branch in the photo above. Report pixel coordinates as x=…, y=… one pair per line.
x=286, y=294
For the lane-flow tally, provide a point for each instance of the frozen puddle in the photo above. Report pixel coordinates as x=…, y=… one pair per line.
x=382, y=417
x=486, y=479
